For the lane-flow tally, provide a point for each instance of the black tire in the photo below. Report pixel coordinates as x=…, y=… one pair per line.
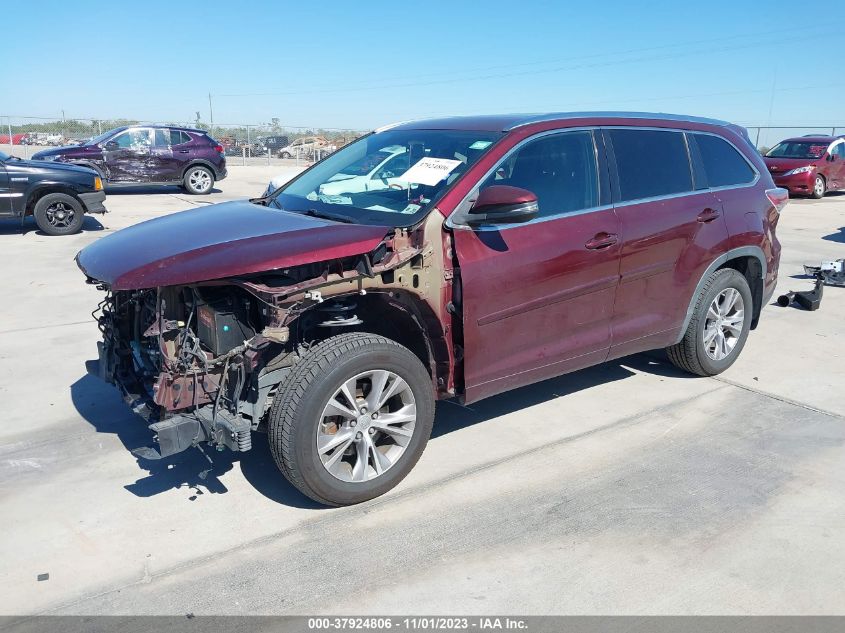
x=59, y=214
x=298, y=407
x=819, y=187
x=198, y=180
x=690, y=354
x=285, y=155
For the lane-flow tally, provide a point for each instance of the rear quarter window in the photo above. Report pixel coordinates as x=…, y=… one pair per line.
x=650, y=163
x=723, y=164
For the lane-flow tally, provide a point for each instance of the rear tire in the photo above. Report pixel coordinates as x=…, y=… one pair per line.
x=59, y=214
x=714, y=340
x=339, y=458
x=198, y=180
x=819, y=187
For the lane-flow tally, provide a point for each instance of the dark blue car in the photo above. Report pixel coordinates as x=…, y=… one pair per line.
x=149, y=155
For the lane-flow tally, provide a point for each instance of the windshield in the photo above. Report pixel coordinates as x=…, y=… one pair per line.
x=798, y=149
x=392, y=177
x=95, y=140
x=4, y=157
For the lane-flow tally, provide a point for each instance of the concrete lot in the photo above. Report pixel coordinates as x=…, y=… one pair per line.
x=626, y=488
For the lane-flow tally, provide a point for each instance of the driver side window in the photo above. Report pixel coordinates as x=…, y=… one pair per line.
x=133, y=139
x=559, y=169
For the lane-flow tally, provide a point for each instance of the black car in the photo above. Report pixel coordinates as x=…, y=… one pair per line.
x=148, y=155
x=272, y=144
x=57, y=195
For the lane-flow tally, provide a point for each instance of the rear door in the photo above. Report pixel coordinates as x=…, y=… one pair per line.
x=672, y=228
x=537, y=298
x=170, y=154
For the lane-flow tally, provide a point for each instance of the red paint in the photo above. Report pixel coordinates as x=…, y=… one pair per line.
x=224, y=240
x=822, y=162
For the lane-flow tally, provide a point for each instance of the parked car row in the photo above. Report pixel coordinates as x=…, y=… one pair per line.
x=451, y=258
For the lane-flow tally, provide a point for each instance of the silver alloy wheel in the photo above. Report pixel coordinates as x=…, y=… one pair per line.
x=59, y=215
x=366, y=426
x=818, y=188
x=200, y=180
x=723, y=323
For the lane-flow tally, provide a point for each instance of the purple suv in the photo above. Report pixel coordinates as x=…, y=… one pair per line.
x=149, y=154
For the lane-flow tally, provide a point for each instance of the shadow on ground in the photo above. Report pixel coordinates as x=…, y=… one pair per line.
x=10, y=226
x=839, y=236
x=102, y=407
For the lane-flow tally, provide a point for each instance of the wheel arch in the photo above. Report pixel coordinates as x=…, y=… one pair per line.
x=397, y=315
x=41, y=190
x=748, y=260
x=199, y=163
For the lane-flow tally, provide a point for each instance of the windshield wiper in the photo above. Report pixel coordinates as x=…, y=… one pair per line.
x=328, y=216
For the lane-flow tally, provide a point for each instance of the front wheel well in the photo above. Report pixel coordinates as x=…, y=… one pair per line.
x=40, y=192
x=395, y=315
x=751, y=268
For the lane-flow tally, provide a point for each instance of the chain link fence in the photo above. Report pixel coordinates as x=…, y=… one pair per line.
x=265, y=143
x=243, y=143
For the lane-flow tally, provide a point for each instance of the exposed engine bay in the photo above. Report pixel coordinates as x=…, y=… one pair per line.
x=201, y=362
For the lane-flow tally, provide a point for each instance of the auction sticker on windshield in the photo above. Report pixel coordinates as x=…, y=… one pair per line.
x=429, y=171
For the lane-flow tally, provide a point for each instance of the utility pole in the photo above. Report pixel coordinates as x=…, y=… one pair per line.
x=211, y=113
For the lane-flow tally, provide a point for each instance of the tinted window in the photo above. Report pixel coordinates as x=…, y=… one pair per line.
x=178, y=137
x=839, y=150
x=560, y=170
x=722, y=163
x=133, y=139
x=651, y=163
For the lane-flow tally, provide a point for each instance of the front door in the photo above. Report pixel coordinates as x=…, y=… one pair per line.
x=837, y=164
x=128, y=156
x=537, y=298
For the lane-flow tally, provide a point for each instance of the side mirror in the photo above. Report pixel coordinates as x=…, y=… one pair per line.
x=502, y=204
x=111, y=146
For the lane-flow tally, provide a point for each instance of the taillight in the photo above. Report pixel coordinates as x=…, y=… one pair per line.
x=218, y=149
x=778, y=197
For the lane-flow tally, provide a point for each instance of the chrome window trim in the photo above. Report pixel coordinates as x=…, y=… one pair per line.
x=473, y=193
x=450, y=223
x=670, y=196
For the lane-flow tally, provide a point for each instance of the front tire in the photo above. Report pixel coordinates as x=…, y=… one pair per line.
x=198, y=180
x=59, y=214
x=719, y=326
x=352, y=418
x=286, y=155
x=819, y=187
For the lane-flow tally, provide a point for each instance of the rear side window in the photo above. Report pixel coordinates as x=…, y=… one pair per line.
x=177, y=137
x=651, y=163
x=723, y=164
x=559, y=169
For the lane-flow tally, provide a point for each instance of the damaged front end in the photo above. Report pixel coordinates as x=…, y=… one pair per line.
x=201, y=362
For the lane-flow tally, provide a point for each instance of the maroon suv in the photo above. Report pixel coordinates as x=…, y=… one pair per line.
x=148, y=155
x=809, y=165
x=510, y=249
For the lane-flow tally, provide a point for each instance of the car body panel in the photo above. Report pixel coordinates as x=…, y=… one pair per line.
x=223, y=240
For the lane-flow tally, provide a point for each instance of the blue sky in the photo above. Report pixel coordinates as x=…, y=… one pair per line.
x=362, y=64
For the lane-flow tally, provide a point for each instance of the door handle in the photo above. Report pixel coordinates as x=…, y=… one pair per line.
x=708, y=215
x=602, y=240
x=184, y=151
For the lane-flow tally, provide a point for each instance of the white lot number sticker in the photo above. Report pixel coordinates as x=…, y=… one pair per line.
x=429, y=171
